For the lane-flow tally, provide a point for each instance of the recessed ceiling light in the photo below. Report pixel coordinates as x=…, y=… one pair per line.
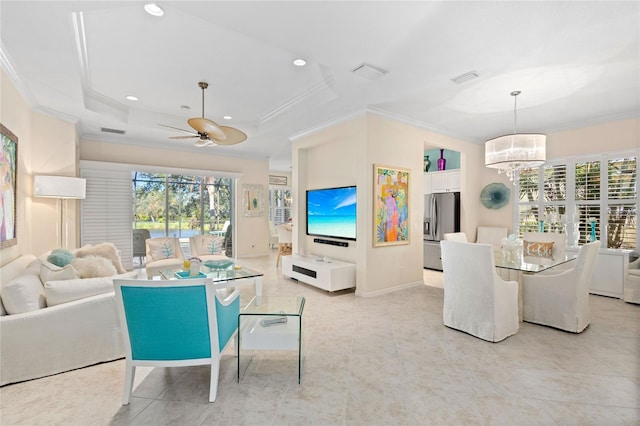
x=185, y=107
x=227, y=117
x=153, y=9
x=132, y=98
x=299, y=62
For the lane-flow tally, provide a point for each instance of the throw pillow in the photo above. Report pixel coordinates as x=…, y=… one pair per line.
x=60, y=257
x=161, y=248
x=94, y=266
x=212, y=244
x=537, y=249
x=69, y=290
x=24, y=293
x=106, y=250
x=51, y=272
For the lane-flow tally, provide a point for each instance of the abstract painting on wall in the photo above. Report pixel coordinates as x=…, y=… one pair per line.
x=391, y=206
x=9, y=165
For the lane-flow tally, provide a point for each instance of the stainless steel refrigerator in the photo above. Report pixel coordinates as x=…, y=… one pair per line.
x=441, y=216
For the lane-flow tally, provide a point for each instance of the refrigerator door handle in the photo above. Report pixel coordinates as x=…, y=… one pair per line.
x=432, y=212
x=436, y=224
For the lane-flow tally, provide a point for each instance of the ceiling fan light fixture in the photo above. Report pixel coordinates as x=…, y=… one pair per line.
x=208, y=131
x=512, y=153
x=153, y=9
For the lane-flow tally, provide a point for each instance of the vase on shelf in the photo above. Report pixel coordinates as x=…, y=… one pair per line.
x=442, y=162
x=427, y=163
x=541, y=226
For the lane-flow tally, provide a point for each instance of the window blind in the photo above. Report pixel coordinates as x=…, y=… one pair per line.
x=106, y=212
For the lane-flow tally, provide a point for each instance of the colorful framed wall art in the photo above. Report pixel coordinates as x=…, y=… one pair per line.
x=8, y=195
x=391, y=206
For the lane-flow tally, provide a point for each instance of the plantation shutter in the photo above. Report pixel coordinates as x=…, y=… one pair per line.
x=622, y=202
x=106, y=213
x=528, y=194
x=554, y=207
x=571, y=195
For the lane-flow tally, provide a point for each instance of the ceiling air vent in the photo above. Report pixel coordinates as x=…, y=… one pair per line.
x=463, y=78
x=116, y=131
x=370, y=72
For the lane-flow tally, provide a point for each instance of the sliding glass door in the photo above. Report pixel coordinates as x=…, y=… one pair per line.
x=181, y=206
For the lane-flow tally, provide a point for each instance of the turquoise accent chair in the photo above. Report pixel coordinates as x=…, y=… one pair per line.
x=175, y=323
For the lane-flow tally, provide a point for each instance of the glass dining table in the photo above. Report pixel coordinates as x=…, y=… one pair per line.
x=511, y=266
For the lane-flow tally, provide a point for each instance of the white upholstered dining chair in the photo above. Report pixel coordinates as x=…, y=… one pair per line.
x=476, y=300
x=632, y=283
x=491, y=235
x=561, y=300
x=456, y=236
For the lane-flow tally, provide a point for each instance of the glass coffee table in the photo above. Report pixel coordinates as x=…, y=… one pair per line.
x=271, y=323
x=231, y=275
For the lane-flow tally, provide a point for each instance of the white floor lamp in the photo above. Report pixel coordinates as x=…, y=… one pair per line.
x=62, y=188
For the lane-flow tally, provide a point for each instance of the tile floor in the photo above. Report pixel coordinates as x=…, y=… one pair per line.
x=386, y=360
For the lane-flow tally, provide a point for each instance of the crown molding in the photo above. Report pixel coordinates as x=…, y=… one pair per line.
x=7, y=65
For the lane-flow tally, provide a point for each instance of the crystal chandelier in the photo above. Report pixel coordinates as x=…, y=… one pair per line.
x=512, y=153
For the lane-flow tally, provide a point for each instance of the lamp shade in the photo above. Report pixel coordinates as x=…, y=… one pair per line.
x=59, y=187
x=518, y=151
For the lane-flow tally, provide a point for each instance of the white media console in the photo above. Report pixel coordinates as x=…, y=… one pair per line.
x=332, y=275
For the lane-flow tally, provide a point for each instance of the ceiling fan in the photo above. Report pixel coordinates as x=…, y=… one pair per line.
x=208, y=131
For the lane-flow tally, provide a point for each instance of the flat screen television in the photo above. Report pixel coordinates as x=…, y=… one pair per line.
x=331, y=212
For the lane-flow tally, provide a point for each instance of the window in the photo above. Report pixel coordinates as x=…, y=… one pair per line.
x=576, y=193
x=279, y=205
x=180, y=206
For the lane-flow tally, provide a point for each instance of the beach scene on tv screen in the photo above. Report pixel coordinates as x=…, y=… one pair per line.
x=332, y=212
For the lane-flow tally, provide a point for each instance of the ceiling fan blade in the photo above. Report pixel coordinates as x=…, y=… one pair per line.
x=204, y=125
x=183, y=137
x=177, y=128
x=233, y=136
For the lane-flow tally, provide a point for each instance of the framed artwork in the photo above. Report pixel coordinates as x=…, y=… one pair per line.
x=277, y=180
x=391, y=206
x=252, y=200
x=9, y=164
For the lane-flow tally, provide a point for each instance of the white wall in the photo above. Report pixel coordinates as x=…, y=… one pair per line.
x=345, y=154
x=46, y=145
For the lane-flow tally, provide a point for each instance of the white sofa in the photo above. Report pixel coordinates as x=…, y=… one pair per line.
x=80, y=329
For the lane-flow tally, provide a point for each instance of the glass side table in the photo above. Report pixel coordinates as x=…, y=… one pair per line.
x=272, y=323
